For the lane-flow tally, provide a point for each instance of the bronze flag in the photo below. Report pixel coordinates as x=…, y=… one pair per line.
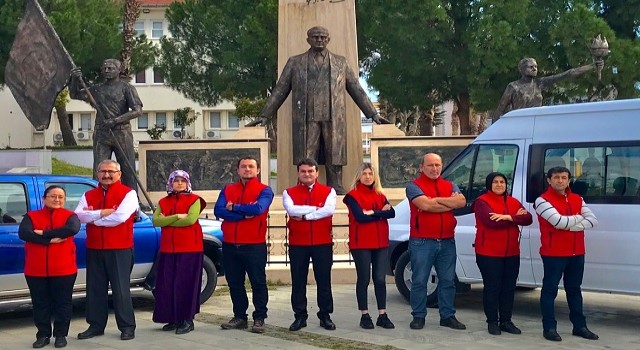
x=38, y=66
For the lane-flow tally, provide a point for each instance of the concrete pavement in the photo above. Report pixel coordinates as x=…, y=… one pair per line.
x=616, y=318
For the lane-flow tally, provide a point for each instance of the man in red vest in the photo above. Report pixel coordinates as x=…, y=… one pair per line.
x=244, y=206
x=310, y=206
x=563, y=216
x=432, y=200
x=108, y=210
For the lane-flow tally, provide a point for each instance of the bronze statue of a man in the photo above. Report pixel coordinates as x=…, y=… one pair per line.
x=116, y=103
x=527, y=91
x=318, y=80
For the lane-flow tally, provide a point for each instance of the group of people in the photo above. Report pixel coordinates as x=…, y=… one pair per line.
x=109, y=210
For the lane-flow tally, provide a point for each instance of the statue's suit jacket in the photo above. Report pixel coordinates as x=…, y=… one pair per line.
x=294, y=78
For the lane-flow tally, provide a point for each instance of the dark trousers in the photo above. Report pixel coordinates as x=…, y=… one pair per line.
x=499, y=276
x=51, y=298
x=571, y=270
x=322, y=257
x=246, y=260
x=106, y=267
x=368, y=261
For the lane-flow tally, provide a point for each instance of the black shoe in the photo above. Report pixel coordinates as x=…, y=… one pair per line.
x=453, y=323
x=327, y=324
x=40, y=343
x=366, y=322
x=417, y=323
x=185, y=327
x=169, y=327
x=493, y=328
x=384, y=322
x=509, y=327
x=90, y=333
x=235, y=323
x=585, y=333
x=552, y=335
x=298, y=324
x=60, y=342
x=127, y=334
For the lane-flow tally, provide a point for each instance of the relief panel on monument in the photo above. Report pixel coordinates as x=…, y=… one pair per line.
x=209, y=169
x=401, y=165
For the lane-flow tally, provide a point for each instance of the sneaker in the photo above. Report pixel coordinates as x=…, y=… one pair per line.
x=235, y=323
x=366, y=322
x=452, y=323
x=258, y=326
x=384, y=322
x=509, y=327
x=417, y=323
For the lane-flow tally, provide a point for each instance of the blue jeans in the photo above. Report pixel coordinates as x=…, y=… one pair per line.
x=571, y=270
x=441, y=254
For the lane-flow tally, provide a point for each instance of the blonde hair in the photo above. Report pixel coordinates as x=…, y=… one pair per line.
x=376, y=179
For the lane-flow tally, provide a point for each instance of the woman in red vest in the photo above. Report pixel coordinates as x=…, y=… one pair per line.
x=50, y=265
x=179, y=264
x=497, y=245
x=369, y=210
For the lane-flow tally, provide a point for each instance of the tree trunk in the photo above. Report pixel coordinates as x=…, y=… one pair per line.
x=67, y=134
x=130, y=12
x=426, y=122
x=463, y=103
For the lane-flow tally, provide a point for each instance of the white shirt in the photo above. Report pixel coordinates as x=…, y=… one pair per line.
x=126, y=208
x=310, y=212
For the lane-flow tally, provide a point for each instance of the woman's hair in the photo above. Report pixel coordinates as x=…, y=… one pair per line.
x=53, y=187
x=376, y=179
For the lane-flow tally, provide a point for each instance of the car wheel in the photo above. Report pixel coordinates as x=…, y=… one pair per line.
x=403, y=273
x=209, y=279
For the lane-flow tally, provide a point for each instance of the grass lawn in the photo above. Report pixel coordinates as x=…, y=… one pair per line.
x=59, y=167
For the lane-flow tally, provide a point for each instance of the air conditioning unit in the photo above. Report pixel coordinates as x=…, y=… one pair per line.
x=83, y=135
x=57, y=137
x=177, y=134
x=213, y=134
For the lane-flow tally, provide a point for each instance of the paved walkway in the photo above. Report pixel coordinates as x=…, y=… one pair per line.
x=616, y=318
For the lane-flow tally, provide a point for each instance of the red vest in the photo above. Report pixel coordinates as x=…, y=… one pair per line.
x=561, y=242
x=432, y=225
x=55, y=259
x=369, y=235
x=187, y=239
x=117, y=237
x=498, y=242
x=310, y=232
x=250, y=230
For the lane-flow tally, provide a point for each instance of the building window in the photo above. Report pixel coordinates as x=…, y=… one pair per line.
x=70, y=118
x=234, y=122
x=139, y=28
x=214, y=120
x=156, y=30
x=158, y=76
x=141, y=77
x=161, y=119
x=85, y=121
x=143, y=121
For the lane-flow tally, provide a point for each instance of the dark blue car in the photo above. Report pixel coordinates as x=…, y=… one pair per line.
x=20, y=193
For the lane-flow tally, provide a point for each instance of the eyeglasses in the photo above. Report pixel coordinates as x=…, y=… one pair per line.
x=110, y=172
x=52, y=196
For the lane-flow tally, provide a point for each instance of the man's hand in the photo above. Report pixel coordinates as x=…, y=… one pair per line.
x=367, y=212
x=296, y=218
x=379, y=120
x=229, y=206
x=262, y=121
x=76, y=73
x=106, y=212
x=57, y=240
x=38, y=232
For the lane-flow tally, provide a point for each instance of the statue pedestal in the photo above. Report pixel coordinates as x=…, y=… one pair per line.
x=295, y=17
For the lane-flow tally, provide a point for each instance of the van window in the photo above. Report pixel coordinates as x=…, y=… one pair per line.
x=13, y=203
x=470, y=169
x=74, y=192
x=601, y=173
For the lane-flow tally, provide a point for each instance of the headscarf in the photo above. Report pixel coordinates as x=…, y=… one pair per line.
x=178, y=173
x=489, y=181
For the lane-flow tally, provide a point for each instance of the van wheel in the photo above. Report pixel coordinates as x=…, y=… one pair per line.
x=209, y=279
x=402, y=274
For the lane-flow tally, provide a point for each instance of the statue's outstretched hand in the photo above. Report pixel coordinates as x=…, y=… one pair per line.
x=262, y=121
x=380, y=120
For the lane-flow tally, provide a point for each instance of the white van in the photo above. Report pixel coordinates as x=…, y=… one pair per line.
x=599, y=143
